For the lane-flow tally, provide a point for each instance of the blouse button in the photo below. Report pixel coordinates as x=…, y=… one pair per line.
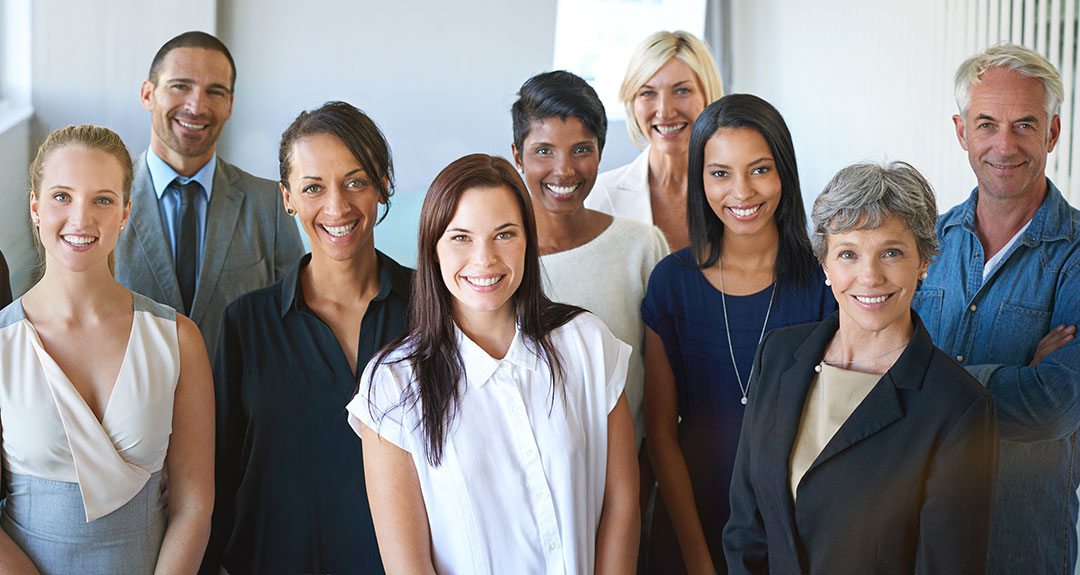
x=973, y=307
x=959, y=358
x=552, y=545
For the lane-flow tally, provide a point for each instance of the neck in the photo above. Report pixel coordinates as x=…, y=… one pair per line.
x=667, y=170
x=493, y=331
x=182, y=165
x=754, y=251
x=870, y=351
x=77, y=295
x=345, y=282
x=560, y=232
x=998, y=219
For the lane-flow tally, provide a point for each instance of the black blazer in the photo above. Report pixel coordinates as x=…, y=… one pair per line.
x=905, y=486
x=5, y=284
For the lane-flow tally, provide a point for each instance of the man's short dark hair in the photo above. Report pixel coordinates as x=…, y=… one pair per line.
x=193, y=39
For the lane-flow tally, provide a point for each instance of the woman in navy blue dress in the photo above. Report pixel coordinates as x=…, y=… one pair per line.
x=749, y=269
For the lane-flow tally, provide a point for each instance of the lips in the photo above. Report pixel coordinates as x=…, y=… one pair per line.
x=670, y=129
x=868, y=300
x=562, y=189
x=1005, y=167
x=744, y=212
x=484, y=283
x=78, y=241
x=339, y=231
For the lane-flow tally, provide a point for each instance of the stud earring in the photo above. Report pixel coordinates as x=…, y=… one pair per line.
x=37, y=222
x=828, y=282
x=290, y=211
x=923, y=276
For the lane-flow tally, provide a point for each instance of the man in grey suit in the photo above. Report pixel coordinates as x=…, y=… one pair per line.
x=202, y=231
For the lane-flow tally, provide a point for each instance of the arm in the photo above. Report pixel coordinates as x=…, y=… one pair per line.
x=661, y=427
x=954, y=523
x=620, y=520
x=746, y=547
x=287, y=245
x=190, y=459
x=13, y=561
x=1041, y=402
x=397, y=505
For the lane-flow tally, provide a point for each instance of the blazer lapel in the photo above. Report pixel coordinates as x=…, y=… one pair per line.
x=221, y=217
x=146, y=220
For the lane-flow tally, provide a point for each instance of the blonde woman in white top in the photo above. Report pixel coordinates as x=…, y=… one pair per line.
x=101, y=390
x=496, y=435
x=670, y=79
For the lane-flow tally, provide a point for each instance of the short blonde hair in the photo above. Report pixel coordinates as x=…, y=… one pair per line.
x=651, y=55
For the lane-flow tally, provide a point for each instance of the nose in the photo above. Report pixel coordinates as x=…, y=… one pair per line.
x=563, y=166
x=742, y=188
x=665, y=105
x=870, y=273
x=484, y=254
x=337, y=202
x=1005, y=141
x=194, y=101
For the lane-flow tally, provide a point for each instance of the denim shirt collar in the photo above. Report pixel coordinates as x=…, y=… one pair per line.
x=1051, y=222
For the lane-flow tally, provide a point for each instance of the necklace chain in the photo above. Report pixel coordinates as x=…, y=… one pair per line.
x=723, y=301
x=863, y=361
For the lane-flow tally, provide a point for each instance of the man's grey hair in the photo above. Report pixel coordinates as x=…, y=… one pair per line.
x=865, y=196
x=1017, y=58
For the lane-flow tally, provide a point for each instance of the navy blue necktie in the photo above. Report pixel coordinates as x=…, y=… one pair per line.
x=187, y=243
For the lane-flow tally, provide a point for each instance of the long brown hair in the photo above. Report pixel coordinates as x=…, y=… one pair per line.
x=431, y=343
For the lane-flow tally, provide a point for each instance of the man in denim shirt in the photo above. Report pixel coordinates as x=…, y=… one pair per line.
x=1003, y=299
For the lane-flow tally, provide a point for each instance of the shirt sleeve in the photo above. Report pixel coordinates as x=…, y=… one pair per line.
x=380, y=403
x=616, y=357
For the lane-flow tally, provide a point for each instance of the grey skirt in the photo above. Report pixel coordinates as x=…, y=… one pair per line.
x=46, y=519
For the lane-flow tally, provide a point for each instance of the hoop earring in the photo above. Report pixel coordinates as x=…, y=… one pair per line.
x=290, y=211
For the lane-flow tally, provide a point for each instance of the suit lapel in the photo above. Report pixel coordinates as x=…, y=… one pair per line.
x=221, y=217
x=146, y=220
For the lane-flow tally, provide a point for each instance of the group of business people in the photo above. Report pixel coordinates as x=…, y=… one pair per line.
x=823, y=402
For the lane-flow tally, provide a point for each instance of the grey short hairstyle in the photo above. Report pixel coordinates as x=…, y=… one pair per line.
x=1017, y=58
x=864, y=196
x=655, y=51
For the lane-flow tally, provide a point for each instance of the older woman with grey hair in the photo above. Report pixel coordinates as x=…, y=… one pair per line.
x=866, y=448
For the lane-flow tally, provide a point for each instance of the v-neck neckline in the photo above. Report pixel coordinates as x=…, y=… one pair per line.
x=125, y=360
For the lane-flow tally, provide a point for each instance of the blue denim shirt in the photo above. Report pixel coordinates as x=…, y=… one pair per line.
x=992, y=327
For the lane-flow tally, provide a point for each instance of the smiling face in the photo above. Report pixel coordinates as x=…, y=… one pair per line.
x=742, y=184
x=481, y=254
x=666, y=106
x=1007, y=134
x=336, y=201
x=189, y=104
x=79, y=207
x=560, y=159
x=874, y=274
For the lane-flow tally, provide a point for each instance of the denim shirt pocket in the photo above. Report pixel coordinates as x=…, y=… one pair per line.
x=927, y=303
x=1016, y=333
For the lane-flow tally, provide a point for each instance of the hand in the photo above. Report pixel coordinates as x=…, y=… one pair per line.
x=1053, y=341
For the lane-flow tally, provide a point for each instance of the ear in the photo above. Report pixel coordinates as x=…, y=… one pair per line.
x=386, y=186
x=1055, y=131
x=33, y=207
x=517, y=157
x=146, y=95
x=958, y=123
x=285, y=196
x=228, y=113
x=127, y=214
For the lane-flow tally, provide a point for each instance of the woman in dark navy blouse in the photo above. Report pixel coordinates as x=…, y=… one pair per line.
x=749, y=269
x=290, y=477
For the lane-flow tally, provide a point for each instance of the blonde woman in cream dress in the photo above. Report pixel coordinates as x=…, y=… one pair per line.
x=101, y=390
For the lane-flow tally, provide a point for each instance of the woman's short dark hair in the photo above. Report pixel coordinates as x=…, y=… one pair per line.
x=794, y=261
x=558, y=94
x=359, y=134
x=431, y=341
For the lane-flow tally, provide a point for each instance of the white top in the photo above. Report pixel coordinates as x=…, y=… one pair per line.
x=996, y=258
x=521, y=483
x=50, y=432
x=624, y=191
x=608, y=276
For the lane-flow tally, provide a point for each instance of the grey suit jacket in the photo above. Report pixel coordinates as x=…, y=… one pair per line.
x=249, y=242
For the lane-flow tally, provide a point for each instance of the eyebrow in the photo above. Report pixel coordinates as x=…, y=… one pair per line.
x=190, y=81
x=497, y=229
x=676, y=84
x=754, y=163
x=319, y=178
x=69, y=188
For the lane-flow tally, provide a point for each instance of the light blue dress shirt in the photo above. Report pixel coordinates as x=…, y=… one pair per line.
x=992, y=327
x=161, y=174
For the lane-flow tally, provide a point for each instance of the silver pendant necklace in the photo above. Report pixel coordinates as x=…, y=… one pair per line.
x=723, y=301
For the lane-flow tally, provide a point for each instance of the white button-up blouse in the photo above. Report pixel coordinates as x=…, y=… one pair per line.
x=521, y=483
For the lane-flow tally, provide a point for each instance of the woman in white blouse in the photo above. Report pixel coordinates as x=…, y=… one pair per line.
x=101, y=390
x=496, y=435
x=670, y=79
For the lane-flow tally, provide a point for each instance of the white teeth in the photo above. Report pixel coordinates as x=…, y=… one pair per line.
x=190, y=126
x=744, y=212
x=79, y=240
x=562, y=190
x=339, y=231
x=670, y=129
x=484, y=282
x=877, y=299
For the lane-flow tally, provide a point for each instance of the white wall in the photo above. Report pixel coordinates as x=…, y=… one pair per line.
x=855, y=81
x=15, y=240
